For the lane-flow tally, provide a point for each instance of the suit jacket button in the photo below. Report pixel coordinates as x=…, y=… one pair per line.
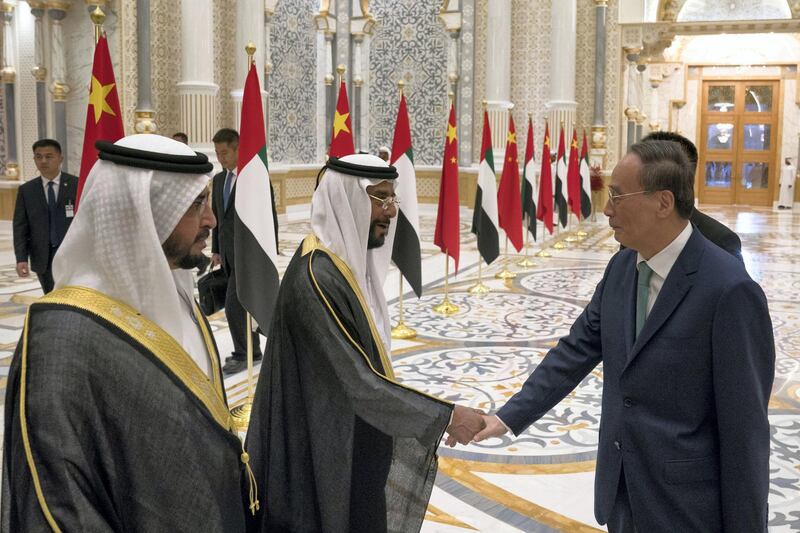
x=617, y=444
x=627, y=402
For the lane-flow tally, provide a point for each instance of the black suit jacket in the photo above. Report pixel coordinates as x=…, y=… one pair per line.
x=222, y=235
x=684, y=410
x=32, y=222
x=718, y=233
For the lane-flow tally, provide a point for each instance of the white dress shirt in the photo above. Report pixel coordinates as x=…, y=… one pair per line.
x=662, y=263
x=56, y=183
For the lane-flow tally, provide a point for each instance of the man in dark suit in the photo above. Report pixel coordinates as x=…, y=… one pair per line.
x=713, y=230
x=43, y=212
x=688, y=357
x=226, y=145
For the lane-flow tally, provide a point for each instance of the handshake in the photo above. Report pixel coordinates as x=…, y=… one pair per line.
x=470, y=425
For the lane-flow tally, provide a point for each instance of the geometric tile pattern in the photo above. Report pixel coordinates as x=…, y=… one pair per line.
x=293, y=84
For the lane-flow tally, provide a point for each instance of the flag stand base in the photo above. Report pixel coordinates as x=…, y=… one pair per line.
x=571, y=238
x=479, y=288
x=543, y=253
x=526, y=263
x=559, y=245
x=402, y=331
x=505, y=274
x=581, y=233
x=241, y=415
x=446, y=308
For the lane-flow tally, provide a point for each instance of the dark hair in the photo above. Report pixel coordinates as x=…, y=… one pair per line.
x=688, y=146
x=180, y=136
x=666, y=168
x=227, y=136
x=44, y=143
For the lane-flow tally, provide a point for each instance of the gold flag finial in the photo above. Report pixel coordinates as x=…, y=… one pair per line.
x=250, y=50
x=401, y=83
x=97, y=17
x=450, y=96
x=340, y=70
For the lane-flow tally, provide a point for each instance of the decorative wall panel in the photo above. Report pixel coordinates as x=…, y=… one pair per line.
x=165, y=50
x=293, y=87
x=225, y=60
x=409, y=42
x=479, y=76
x=3, y=154
x=27, y=127
x=530, y=70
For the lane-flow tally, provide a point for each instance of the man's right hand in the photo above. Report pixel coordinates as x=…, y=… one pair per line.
x=493, y=428
x=216, y=260
x=22, y=269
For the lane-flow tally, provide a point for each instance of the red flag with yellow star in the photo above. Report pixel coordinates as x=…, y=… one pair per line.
x=544, y=207
x=509, y=202
x=103, y=116
x=342, y=137
x=574, y=177
x=447, y=235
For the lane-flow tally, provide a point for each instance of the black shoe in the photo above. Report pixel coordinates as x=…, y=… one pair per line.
x=234, y=365
x=256, y=357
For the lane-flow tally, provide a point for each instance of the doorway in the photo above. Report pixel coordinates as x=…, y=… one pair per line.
x=738, y=141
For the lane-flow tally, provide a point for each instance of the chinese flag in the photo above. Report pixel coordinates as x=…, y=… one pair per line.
x=509, y=202
x=574, y=177
x=103, y=115
x=342, y=137
x=447, y=236
x=544, y=207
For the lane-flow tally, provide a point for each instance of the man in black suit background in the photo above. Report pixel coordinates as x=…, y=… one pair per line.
x=43, y=212
x=712, y=229
x=226, y=145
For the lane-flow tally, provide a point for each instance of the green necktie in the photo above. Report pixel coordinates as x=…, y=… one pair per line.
x=642, y=292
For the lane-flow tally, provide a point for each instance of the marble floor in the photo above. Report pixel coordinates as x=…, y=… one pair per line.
x=543, y=480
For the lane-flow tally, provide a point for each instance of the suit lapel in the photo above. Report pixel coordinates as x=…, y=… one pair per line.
x=678, y=283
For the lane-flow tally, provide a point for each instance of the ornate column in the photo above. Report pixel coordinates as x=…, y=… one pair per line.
x=269, y=11
x=325, y=21
x=57, y=11
x=655, y=81
x=641, y=118
x=361, y=28
x=498, y=80
x=631, y=111
x=39, y=71
x=599, y=147
x=144, y=114
x=451, y=19
x=197, y=90
x=249, y=28
x=8, y=74
x=562, y=104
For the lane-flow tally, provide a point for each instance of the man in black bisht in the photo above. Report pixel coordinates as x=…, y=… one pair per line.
x=115, y=412
x=336, y=443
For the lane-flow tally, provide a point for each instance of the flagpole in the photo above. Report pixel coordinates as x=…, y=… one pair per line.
x=479, y=287
x=542, y=252
x=506, y=274
x=446, y=308
x=401, y=330
x=241, y=413
x=98, y=17
x=526, y=263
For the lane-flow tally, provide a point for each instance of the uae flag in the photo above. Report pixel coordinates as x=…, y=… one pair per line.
x=586, y=181
x=529, y=188
x=544, y=209
x=342, y=136
x=484, y=216
x=254, y=231
x=574, y=177
x=561, y=174
x=103, y=115
x=406, y=252
x=509, y=204
x=447, y=236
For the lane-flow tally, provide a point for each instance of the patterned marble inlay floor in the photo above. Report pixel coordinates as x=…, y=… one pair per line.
x=543, y=480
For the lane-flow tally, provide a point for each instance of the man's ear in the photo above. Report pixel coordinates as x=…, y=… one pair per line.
x=666, y=203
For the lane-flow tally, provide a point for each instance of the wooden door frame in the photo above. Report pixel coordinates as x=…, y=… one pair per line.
x=728, y=196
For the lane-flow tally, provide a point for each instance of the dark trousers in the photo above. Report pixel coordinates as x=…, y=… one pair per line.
x=237, y=321
x=46, y=277
x=621, y=519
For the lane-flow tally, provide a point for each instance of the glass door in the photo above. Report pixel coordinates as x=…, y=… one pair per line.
x=738, y=144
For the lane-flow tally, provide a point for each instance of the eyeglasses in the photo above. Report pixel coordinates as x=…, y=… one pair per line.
x=615, y=198
x=388, y=202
